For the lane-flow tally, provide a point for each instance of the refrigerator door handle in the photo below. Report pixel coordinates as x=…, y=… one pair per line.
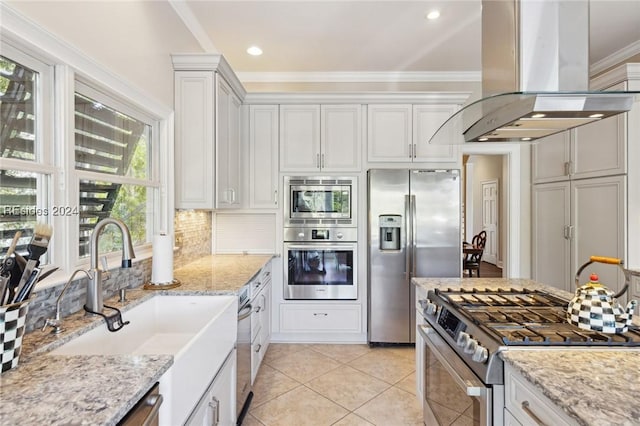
x=408, y=236
x=414, y=235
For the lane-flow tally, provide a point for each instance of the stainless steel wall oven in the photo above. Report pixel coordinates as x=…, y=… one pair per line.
x=320, y=201
x=321, y=263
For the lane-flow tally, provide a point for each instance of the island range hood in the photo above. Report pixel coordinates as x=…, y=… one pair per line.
x=535, y=75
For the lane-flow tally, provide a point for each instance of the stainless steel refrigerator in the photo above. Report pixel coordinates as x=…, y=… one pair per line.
x=414, y=231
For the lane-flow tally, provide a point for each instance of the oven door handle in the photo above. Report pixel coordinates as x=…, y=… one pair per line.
x=248, y=309
x=321, y=246
x=463, y=376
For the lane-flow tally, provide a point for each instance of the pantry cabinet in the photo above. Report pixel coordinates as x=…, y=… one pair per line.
x=401, y=133
x=574, y=220
x=317, y=138
x=263, y=156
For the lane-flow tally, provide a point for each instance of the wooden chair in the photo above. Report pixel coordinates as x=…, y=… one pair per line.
x=473, y=256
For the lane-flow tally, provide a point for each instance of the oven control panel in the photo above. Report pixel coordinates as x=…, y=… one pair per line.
x=456, y=329
x=450, y=323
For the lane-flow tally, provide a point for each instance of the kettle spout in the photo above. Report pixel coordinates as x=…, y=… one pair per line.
x=625, y=318
x=631, y=306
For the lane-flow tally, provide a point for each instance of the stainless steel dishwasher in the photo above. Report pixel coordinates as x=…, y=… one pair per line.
x=145, y=412
x=243, y=348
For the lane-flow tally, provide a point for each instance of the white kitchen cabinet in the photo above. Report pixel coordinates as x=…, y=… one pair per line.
x=228, y=158
x=573, y=221
x=194, y=144
x=320, y=138
x=218, y=403
x=401, y=133
x=527, y=405
x=263, y=156
x=427, y=119
x=208, y=161
x=320, y=317
x=261, y=320
x=389, y=132
x=593, y=150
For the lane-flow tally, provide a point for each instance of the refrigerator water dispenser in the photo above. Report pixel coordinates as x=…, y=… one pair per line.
x=389, y=226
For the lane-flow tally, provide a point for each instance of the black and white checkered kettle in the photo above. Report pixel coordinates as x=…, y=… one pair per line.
x=595, y=307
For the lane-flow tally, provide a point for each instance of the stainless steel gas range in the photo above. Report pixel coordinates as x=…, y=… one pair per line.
x=463, y=332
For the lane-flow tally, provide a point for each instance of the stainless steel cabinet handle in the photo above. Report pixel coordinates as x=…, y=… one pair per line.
x=215, y=411
x=155, y=401
x=526, y=407
x=415, y=151
x=324, y=314
x=258, y=348
x=318, y=160
x=322, y=161
x=275, y=197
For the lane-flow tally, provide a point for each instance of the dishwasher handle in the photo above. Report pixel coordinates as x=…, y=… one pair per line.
x=248, y=308
x=155, y=401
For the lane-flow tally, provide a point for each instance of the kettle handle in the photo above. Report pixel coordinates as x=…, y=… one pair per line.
x=610, y=261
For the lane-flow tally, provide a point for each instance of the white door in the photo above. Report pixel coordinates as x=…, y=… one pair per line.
x=490, y=220
x=341, y=137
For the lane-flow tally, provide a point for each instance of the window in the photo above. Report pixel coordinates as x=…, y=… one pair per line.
x=114, y=165
x=24, y=166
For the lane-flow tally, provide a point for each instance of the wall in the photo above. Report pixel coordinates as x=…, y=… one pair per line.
x=133, y=40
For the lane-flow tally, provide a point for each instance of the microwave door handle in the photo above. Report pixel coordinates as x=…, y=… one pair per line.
x=407, y=237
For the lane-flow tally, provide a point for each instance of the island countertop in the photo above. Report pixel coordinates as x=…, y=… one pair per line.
x=593, y=386
x=62, y=390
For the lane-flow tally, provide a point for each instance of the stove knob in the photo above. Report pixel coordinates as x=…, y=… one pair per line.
x=471, y=346
x=430, y=308
x=481, y=354
x=462, y=340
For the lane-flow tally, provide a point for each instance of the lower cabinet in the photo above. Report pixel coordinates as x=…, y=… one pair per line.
x=261, y=322
x=526, y=405
x=320, y=317
x=218, y=403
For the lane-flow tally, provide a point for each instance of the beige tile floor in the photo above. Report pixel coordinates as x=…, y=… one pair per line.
x=342, y=385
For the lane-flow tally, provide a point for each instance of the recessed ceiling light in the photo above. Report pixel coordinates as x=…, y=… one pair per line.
x=525, y=139
x=434, y=14
x=254, y=51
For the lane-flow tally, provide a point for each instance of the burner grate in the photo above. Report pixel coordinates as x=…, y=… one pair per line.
x=560, y=335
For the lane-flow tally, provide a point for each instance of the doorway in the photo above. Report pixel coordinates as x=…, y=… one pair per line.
x=490, y=220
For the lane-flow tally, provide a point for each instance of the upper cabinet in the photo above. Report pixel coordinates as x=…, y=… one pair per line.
x=263, y=156
x=593, y=150
x=208, y=160
x=317, y=138
x=401, y=133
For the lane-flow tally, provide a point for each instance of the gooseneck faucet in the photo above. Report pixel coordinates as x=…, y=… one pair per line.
x=95, y=297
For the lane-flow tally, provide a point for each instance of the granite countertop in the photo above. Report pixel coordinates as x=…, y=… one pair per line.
x=82, y=390
x=592, y=386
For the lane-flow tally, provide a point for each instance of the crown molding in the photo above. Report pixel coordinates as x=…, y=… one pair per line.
x=434, y=98
x=616, y=58
x=209, y=62
x=624, y=72
x=360, y=77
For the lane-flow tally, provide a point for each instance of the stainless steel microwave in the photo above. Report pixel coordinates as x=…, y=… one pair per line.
x=320, y=200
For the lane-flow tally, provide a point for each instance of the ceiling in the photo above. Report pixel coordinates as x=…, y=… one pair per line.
x=373, y=36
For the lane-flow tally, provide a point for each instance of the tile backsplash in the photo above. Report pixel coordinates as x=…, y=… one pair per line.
x=192, y=238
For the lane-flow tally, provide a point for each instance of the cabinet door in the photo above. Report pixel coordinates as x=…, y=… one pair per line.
x=550, y=157
x=426, y=120
x=194, y=145
x=598, y=209
x=263, y=156
x=341, y=138
x=299, y=138
x=389, y=133
x=598, y=149
x=228, y=147
x=551, y=234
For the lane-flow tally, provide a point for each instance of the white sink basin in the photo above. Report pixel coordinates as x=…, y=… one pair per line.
x=199, y=331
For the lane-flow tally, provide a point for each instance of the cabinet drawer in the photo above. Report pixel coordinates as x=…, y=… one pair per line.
x=318, y=317
x=526, y=403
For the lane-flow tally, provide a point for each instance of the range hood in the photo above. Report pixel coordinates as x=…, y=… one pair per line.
x=535, y=75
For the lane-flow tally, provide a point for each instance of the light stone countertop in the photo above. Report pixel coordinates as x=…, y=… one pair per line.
x=89, y=390
x=593, y=386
